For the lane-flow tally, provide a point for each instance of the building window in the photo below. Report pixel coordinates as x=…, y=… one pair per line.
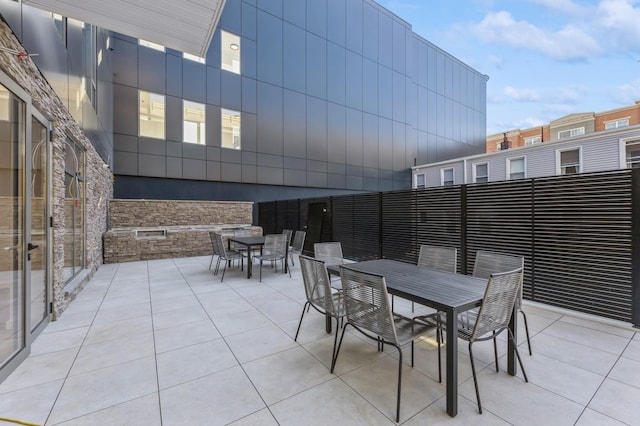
x=516, y=168
x=61, y=25
x=151, y=115
x=533, y=140
x=151, y=45
x=624, y=122
x=421, y=181
x=633, y=154
x=571, y=133
x=90, y=34
x=481, y=173
x=230, y=124
x=74, y=185
x=194, y=58
x=230, y=52
x=447, y=177
x=569, y=161
x=193, y=124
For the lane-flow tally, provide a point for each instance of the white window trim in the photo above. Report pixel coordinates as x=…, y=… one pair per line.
x=528, y=141
x=584, y=130
x=474, y=172
x=617, y=120
x=623, y=150
x=415, y=180
x=508, y=166
x=442, y=175
x=573, y=148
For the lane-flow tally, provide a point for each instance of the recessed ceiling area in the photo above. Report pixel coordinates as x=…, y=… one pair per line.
x=184, y=25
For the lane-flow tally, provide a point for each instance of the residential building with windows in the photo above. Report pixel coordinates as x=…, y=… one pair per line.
x=566, y=127
x=221, y=100
x=616, y=148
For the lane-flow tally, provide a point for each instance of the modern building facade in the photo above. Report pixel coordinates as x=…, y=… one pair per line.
x=613, y=149
x=282, y=99
x=293, y=98
x=566, y=127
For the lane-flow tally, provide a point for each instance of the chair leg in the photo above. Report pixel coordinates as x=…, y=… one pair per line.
x=513, y=342
x=211, y=262
x=223, y=271
x=412, y=354
x=335, y=339
x=335, y=357
x=260, y=270
x=306, y=306
x=526, y=330
x=400, y=379
x=495, y=351
x=217, y=268
x=475, y=379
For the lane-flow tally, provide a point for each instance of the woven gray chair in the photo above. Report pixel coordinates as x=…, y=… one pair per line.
x=297, y=246
x=224, y=254
x=274, y=250
x=320, y=297
x=214, y=247
x=289, y=234
x=488, y=262
x=330, y=253
x=440, y=258
x=368, y=310
x=493, y=318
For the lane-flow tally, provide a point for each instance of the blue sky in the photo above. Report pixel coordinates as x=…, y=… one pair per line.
x=544, y=58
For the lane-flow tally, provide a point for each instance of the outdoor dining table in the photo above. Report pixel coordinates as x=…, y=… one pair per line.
x=249, y=243
x=444, y=291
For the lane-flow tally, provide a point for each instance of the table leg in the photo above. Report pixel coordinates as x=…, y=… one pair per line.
x=512, y=365
x=452, y=363
x=328, y=324
x=249, y=263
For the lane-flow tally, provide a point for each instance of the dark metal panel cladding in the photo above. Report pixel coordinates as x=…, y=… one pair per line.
x=267, y=217
x=583, y=243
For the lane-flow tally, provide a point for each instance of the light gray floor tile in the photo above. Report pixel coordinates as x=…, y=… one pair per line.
x=436, y=414
x=90, y=392
x=161, y=305
x=117, y=329
x=31, y=404
x=185, y=335
x=593, y=418
x=119, y=313
x=179, y=317
x=354, y=352
x=113, y=352
x=617, y=330
x=599, y=362
x=372, y=381
x=286, y=373
x=260, y=418
x=239, y=322
x=216, y=399
x=311, y=407
x=633, y=350
x=281, y=311
x=619, y=401
x=69, y=320
x=258, y=343
x=61, y=340
x=193, y=362
x=626, y=371
x=40, y=369
x=588, y=337
x=143, y=411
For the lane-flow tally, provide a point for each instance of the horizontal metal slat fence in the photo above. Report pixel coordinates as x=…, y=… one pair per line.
x=576, y=233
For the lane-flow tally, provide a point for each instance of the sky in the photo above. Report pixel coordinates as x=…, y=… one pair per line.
x=545, y=58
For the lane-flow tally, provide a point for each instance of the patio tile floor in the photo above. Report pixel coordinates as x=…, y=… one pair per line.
x=164, y=342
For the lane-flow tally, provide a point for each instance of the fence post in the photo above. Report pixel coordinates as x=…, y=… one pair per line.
x=635, y=247
x=463, y=229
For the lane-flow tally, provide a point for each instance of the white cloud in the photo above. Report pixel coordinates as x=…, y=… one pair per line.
x=568, y=43
x=496, y=61
x=568, y=7
x=627, y=94
x=619, y=23
x=521, y=95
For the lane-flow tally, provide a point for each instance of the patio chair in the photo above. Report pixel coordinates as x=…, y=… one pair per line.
x=297, y=246
x=440, y=258
x=320, y=295
x=493, y=318
x=214, y=247
x=331, y=254
x=490, y=262
x=274, y=249
x=224, y=254
x=289, y=234
x=368, y=310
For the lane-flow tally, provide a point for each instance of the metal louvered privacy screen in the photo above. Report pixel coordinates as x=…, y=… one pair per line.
x=578, y=234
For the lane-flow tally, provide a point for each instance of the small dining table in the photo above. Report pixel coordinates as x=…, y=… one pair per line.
x=444, y=291
x=249, y=242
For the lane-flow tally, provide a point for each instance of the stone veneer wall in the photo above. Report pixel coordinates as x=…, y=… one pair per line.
x=99, y=180
x=151, y=213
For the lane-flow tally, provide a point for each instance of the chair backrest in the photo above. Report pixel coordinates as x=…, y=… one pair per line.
x=330, y=253
x=440, y=258
x=488, y=262
x=366, y=303
x=275, y=245
x=497, y=303
x=289, y=234
x=214, y=244
x=298, y=241
x=317, y=284
x=220, y=249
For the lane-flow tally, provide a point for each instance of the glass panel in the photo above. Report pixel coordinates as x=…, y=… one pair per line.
x=633, y=154
x=230, y=52
x=194, y=120
x=516, y=166
x=230, y=125
x=38, y=222
x=12, y=143
x=74, y=210
x=570, y=157
x=152, y=115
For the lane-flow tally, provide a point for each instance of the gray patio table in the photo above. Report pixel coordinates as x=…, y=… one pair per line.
x=447, y=292
x=248, y=242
